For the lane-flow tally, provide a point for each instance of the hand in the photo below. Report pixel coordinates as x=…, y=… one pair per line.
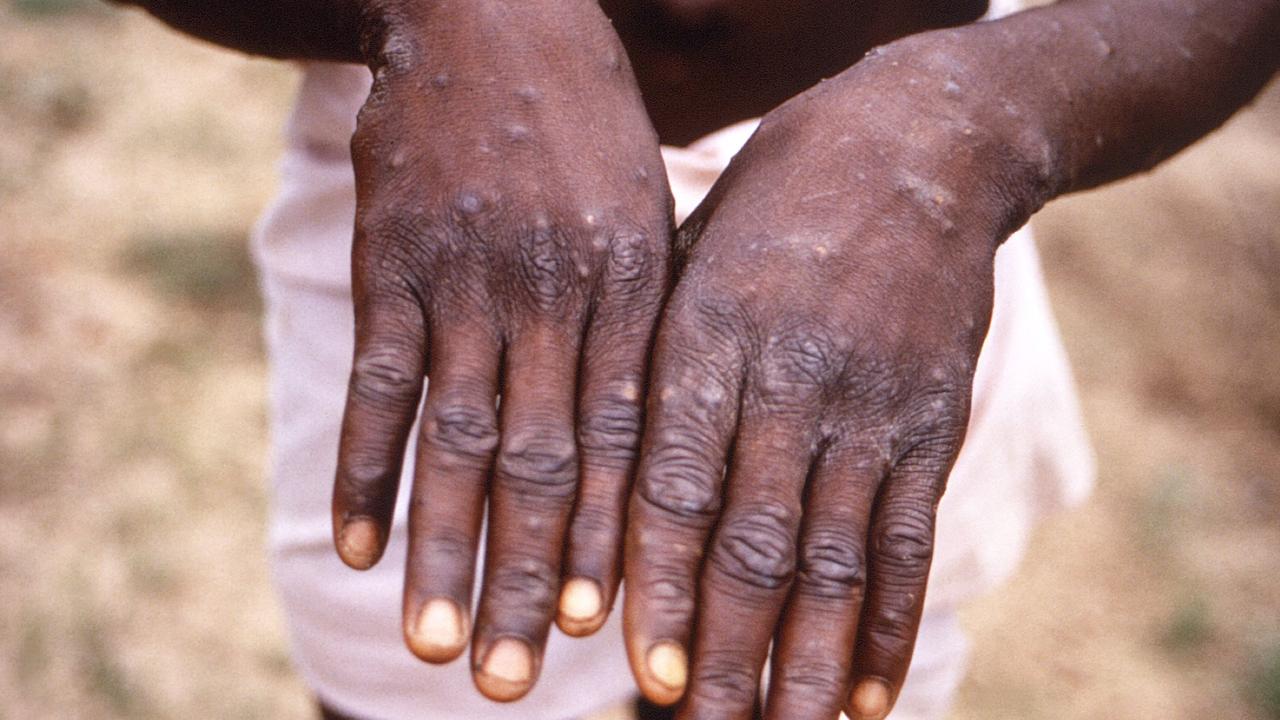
x=512, y=237
x=810, y=392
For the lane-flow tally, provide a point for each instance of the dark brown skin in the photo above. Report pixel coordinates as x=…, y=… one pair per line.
x=808, y=389
x=487, y=256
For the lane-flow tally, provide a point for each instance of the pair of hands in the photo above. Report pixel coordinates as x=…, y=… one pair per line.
x=798, y=361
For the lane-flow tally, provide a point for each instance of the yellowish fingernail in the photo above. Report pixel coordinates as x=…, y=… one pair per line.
x=870, y=700
x=507, y=670
x=440, y=632
x=580, y=600
x=669, y=665
x=358, y=543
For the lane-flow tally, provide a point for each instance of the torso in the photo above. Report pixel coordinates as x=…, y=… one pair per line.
x=704, y=64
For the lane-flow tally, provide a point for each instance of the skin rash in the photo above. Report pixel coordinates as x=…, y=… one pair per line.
x=766, y=401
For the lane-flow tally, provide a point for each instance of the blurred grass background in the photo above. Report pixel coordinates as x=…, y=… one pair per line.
x=133, y=437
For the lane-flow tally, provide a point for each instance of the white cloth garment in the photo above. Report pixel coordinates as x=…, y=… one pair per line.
x=1026, y=453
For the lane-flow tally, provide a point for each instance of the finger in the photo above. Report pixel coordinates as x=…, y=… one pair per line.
x=458, y=434
x=382, y=399
x=813, y=651
x=692, y=411
x=534, y=481
x=900, y=548
x=749, y=568
x=609, y=417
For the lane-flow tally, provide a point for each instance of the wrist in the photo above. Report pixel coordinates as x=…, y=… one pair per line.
x=393, y=32
x=994, y=143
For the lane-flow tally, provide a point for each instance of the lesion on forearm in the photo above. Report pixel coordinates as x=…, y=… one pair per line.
x=1116, y=86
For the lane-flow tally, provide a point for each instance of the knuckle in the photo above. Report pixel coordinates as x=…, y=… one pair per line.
x=539, y=461
x=544, y=266
x=723, y=680
x=522, y=584
x=595, y=526
x=756, y=546
x=797, y=368
x=890, y=631
x=942, y=407
x=904, y=541
x=446, y=546
x=462, y=429
x=396, y=253
x=871, y=382
x=807, y=354
x=386, y=377
x=815, y=677
x=674, y=596
x=832, y=563
x=610, y=429
x=679, y=482
x=928, y=459
x=634, y=258
x=721, y=317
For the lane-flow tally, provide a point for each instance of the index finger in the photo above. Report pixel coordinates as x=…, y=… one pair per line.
x=691, y=418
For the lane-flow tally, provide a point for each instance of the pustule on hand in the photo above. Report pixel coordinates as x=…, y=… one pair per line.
x=934, y=96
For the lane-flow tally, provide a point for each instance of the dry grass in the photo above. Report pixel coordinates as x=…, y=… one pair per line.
x=1159, y=598
x=132, y=435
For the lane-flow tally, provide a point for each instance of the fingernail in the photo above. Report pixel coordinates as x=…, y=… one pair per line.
x=358, y=543
x=870, y=700
x=507, y=669
x=440, y=633
x=668, y=664
x=580, y=600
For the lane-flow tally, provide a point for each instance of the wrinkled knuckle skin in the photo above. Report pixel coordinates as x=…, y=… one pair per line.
x=815, y=678
x=545, y=267
x=904, y=543
x=677, y=481
x=756, y=547
x=721, y=680
x=538, y=462
x=609, y=431
x=940, y=408
x=462, y=430
x=807, y=354
x=523, y=587
x=724, y=320
x=396, y=254
x=635, y=260
x=596, y=529
x=832, y=564
x=444, y=547
x=890, y=632
x=672, y=596
x=873, y=385
x=796, y=373
x=380, y=379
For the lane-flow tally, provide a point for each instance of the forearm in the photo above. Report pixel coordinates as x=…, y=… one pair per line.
x=1101, y=89
x=287, y=29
